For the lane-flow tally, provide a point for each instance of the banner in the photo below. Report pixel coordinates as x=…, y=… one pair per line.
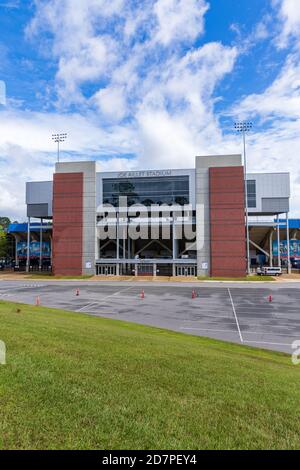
x=294, y=249
x=34, y=250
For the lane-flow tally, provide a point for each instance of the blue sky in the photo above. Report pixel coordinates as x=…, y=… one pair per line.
x=146, y=84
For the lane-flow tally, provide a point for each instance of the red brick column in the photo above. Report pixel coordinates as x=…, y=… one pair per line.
x=67, y=224
x=227, y=222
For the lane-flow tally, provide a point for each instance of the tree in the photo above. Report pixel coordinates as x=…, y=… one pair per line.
x=3, y=243
x=4, y=221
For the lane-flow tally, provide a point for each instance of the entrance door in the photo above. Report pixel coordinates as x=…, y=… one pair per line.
x=182, y=271
x=145, y=269
x=186, y=271
x=106, y=270
x=164, y=270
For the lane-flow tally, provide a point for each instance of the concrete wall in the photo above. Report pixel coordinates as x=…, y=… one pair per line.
x=203, y=163
x=39, y=193
x=269, y=186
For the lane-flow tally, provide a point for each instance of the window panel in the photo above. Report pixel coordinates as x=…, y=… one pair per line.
x=251, y=193
x=147, y=191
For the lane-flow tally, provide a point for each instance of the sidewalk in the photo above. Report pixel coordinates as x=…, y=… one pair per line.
x=11, y=276
x=288, y=277
x=34, y=276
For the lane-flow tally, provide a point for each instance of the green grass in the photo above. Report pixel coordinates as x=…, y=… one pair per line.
x=246, y=278
x=78, y=382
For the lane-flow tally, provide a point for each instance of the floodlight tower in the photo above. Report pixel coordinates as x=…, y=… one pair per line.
x=243, y=128
x=58, y=138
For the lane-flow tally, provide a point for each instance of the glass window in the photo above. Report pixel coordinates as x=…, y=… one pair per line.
x=251, y=190
x=147, y=191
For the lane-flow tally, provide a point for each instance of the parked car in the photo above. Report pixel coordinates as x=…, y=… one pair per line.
x=295, y=262
x=269, y=271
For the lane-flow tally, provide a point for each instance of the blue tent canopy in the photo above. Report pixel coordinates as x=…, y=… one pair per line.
x=22, y=228
x=293, y=223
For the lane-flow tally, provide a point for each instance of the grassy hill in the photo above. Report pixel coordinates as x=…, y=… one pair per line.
x=79, y=382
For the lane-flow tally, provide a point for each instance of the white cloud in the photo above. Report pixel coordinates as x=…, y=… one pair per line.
x=85, y=136
x=147, y=77
x=179, y=20
x=83, y=54
x=261, y=31
x=280, y=100
x=175, y=118
x=276, y=148
x=289, y=14
x=112, y=102
x=27, y=152
x=17, y=166
x=90, y=38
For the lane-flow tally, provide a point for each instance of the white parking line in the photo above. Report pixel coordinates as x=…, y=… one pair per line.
x=234, y=312
x=85, y=307
x=100, y=301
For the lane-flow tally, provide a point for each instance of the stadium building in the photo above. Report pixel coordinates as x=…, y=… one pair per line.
x=156, y=222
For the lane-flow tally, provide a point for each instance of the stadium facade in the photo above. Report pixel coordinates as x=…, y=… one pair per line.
x=155, y=222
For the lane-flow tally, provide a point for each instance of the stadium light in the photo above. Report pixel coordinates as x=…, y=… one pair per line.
x=58, y=138
x=243, y=128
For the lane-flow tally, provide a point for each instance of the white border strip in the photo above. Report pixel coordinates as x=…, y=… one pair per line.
x=266, y=342
x=235, y=316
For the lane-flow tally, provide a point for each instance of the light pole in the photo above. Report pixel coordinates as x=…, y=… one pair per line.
x=58, y=138
x=244, y=127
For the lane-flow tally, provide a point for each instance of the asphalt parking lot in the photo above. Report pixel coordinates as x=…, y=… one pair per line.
x=240, y=313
